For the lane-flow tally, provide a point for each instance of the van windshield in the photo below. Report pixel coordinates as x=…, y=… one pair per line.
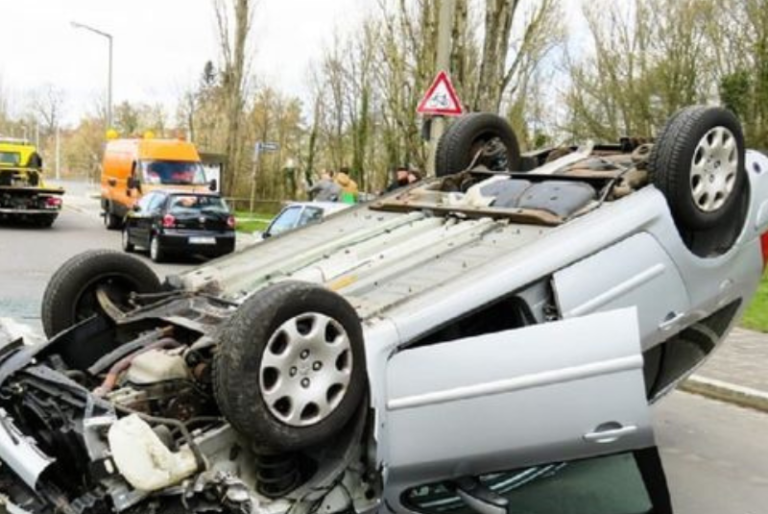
x=172, y=173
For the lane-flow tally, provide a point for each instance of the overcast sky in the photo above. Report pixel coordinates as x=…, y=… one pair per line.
x=160, y=45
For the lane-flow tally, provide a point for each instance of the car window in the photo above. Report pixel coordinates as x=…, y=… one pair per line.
x=605, y=485
x=197, y=204
x=145, y=202
x=310, y=215
x=9, y=158
x=157, y=202
x=286, y=220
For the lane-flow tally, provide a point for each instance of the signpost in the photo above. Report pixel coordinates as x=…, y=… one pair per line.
x=441, y=100
x=259, y=148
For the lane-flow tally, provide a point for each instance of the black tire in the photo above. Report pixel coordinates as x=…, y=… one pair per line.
x=128, y=247
x=156, y=251
x=466, y=136
x=244, y=343
x=111, y=220
x=671, y=166
x=70, y=296
x=45, y=221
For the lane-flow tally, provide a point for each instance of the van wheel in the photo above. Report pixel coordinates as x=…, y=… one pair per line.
x=290, y=371
x=71, y=294
x=111, y=221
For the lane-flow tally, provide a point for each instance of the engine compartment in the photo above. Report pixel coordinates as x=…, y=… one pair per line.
x=139, y=428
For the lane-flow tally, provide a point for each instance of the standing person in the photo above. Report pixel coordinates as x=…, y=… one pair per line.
x=349, y=189
x=400, y=179
x=326, y=189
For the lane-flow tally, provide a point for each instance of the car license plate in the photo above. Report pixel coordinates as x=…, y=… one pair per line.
x=202, y=240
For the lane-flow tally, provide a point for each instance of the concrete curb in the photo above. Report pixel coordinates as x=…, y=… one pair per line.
x=726, y=392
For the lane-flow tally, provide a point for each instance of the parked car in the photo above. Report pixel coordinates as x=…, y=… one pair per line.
x=298, y=214
x=169, y=222
x=486, y=342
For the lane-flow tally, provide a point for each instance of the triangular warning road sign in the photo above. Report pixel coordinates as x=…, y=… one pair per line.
x=441, y=98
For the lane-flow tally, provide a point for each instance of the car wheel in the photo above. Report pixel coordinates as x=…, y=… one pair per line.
x=71, y=294
x=290, y=372
x=45, y=221
x=698, y=163
x=156, y=252
x=471, y=134
x=126, y=242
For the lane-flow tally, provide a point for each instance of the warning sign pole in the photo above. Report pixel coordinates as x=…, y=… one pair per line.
x=447, y=8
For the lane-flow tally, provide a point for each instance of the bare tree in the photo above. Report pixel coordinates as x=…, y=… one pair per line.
x=46, y=105
x=233, y=43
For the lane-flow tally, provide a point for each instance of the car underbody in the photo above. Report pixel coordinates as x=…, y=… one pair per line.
x=139, y=407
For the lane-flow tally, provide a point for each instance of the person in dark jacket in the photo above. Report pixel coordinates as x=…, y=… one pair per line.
x=401, y=179
x=326, y=189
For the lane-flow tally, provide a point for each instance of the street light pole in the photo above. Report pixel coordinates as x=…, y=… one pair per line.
x=443, y=62
x=109, y=78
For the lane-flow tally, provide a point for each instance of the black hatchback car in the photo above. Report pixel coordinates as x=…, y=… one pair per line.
x=175, y=222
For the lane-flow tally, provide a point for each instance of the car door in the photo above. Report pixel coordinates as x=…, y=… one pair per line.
x=520, y=403
x=148, y=208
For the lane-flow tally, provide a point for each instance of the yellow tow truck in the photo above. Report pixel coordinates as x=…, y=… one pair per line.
x=23, y=193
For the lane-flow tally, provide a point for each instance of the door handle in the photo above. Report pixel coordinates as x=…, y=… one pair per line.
x=609, y=433
x=112, y=182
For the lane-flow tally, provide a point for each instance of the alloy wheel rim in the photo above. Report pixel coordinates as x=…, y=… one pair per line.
x=714, y=168
x=306, y=369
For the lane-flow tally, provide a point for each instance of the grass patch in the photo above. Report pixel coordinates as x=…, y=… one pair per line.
x=756, y=316
x=251, y=226
x=250, y=222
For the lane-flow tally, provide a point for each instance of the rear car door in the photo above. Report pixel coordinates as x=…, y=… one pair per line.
x=479, y=418
x=140, y=221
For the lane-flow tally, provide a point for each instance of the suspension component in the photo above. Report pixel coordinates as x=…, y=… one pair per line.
x=277, y=474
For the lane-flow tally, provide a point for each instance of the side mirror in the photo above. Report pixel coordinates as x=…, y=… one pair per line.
x=133, y=183
x=213, y=185
x=265, y=235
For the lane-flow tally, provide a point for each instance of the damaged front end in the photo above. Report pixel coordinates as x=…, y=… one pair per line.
x=120, y=415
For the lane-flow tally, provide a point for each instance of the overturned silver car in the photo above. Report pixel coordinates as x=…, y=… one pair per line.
x=487, y=341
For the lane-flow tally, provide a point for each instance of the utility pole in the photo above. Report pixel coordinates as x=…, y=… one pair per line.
x=443, y=61
x=254, y=174
x=58, y=153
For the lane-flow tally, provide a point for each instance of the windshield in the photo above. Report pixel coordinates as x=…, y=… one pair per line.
x=172, y=173
x=9, y=158
x=285, y=221
x=194, y=204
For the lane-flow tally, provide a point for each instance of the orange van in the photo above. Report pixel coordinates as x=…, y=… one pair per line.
x=134, y=167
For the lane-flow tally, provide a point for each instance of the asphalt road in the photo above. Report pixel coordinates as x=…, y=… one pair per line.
x=28, y=257
x=716, y=455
